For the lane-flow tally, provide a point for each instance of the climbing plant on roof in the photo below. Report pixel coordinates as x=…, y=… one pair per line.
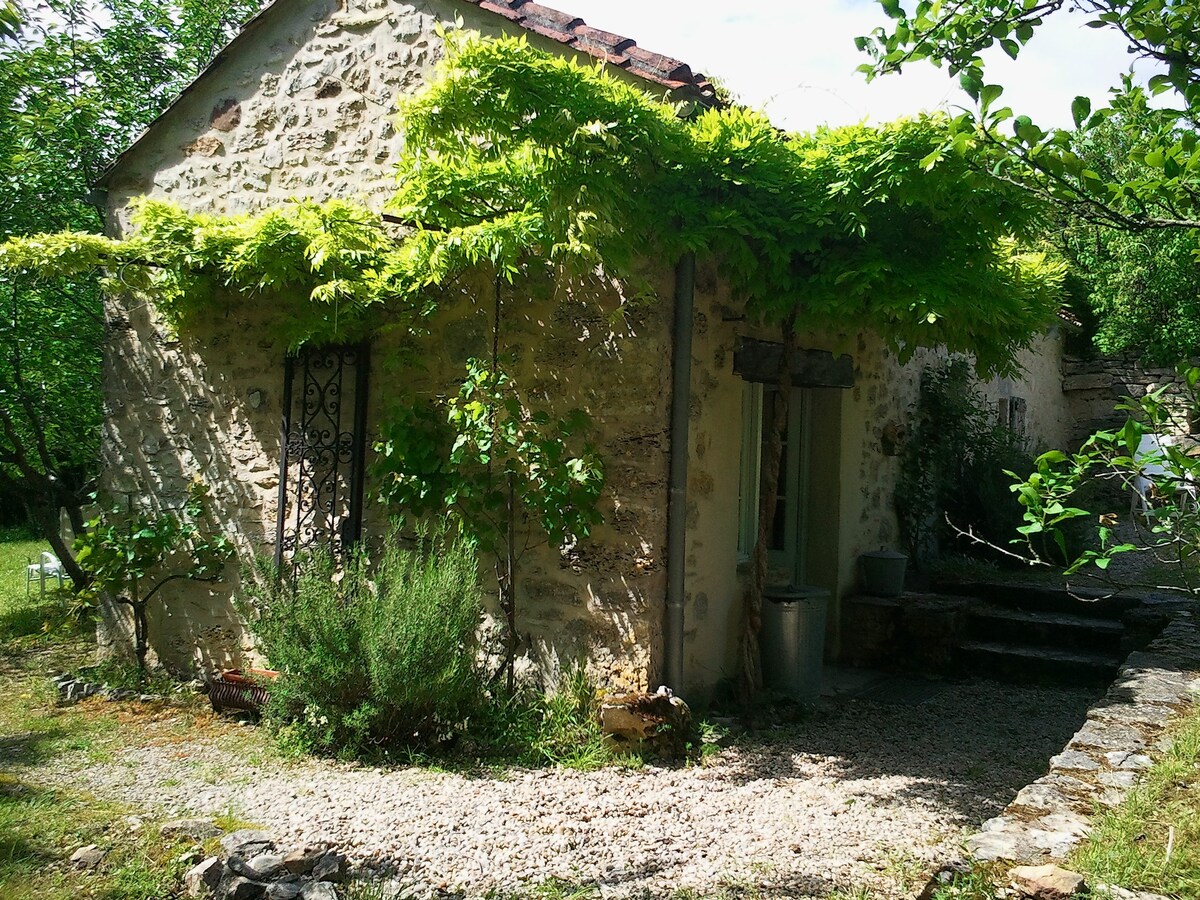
x=514, y=158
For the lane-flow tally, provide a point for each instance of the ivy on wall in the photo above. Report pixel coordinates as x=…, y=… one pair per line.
x=516, y=159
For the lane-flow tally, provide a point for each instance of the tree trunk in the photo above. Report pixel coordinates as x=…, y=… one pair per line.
x=75, y=515
x=750, y=670
x=47, y=522
x=141, y=629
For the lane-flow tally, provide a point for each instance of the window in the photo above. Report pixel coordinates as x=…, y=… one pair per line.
x=322, y=450
x=785, y=538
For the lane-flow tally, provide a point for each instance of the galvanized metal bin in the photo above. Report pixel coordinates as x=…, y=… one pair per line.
x=793, y=639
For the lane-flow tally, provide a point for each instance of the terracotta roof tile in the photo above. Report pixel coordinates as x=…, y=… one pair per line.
x=590, y=38
x=563, y=37
x=612, y=48
x=500, y=9
x=658, y=66
x=551, y=18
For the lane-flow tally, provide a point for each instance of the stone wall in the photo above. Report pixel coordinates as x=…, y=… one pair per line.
x=1094, y=386
x=304, y=109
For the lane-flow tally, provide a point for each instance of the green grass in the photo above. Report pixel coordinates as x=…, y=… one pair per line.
x=33, y=617
x=42, y=824
x=1128, y=844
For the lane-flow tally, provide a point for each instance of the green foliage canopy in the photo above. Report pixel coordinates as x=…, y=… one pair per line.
x=72, y=91
x=1163, y=36
x=516, y=159
x=1141, y=288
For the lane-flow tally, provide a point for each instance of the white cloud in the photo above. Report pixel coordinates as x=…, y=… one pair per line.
x=797, y=60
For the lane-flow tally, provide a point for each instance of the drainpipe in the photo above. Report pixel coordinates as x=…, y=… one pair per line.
x=681, y=380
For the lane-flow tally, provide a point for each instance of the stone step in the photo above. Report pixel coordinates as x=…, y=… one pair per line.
x=1084, y=602
x=1062, y=631
x=1026, y=664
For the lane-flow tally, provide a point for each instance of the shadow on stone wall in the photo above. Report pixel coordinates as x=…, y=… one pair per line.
x=207, y=407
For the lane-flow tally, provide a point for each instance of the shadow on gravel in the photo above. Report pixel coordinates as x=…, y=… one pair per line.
x=968, y=749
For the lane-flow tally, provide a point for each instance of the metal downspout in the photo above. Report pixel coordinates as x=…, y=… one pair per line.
x=681, y=382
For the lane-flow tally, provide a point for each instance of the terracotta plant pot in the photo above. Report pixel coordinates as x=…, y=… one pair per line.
x=240, y=689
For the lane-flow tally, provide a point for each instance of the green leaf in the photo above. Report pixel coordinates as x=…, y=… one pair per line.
x=989, y=93
x=1081, y=108
x=971, y=81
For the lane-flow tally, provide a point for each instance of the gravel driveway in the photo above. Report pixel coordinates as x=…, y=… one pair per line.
x=862, y=794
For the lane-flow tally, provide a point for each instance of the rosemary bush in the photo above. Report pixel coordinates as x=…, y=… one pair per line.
x=372, y=653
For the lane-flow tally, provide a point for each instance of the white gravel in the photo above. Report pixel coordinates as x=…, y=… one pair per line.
x=860, y=794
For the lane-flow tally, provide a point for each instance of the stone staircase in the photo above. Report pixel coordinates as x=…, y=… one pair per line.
x=1039, y=635
x=1009, y=632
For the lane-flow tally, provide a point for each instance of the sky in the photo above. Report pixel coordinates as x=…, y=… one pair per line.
x=796, y=59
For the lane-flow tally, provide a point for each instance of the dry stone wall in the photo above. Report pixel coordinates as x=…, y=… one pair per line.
x=304, y=108
x=1094, y=386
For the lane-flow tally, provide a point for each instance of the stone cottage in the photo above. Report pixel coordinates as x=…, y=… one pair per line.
x=301, y=104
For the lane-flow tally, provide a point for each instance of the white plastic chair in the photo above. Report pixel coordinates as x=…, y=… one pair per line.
x=47, y=567
x=1149, y=472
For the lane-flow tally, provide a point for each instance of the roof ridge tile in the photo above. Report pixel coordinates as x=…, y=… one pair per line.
x=606, y=46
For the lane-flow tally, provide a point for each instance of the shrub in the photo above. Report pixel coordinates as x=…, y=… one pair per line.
x=953, y=467
x=372, y=654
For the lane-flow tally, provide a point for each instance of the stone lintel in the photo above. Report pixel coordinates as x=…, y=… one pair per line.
x=759, y=361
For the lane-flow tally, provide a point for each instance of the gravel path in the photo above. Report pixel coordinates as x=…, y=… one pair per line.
x=861, y=794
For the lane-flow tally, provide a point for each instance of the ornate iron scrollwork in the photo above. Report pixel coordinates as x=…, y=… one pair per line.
x=323, y=444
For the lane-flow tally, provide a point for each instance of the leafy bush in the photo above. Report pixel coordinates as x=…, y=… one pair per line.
x=381, y=657
x=953, y=466
x=372, y=655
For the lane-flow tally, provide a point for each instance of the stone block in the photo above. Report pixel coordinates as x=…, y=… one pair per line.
x=1049, y=882
x=302, y=860
x=660, y=723
x=203, y=878
x=88, y=857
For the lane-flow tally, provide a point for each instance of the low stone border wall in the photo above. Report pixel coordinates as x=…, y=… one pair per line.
x=1101, y=762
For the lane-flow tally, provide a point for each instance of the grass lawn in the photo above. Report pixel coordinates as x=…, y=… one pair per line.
x=42, y=822
x=1151, y=842
x=23, y=617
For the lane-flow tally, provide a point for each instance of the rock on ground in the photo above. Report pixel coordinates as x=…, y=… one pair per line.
x=1048, y=882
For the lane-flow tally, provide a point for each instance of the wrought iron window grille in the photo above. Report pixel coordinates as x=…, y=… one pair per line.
x=322, y=450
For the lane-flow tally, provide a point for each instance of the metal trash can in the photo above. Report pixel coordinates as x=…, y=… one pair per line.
x=793, y=639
